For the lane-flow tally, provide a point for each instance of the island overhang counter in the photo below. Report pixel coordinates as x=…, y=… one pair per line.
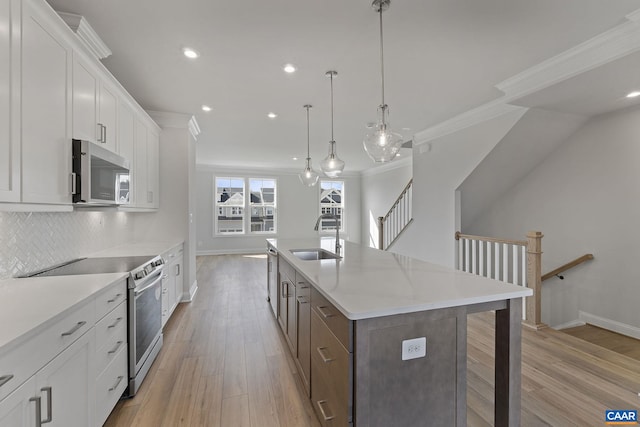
x=387, y=299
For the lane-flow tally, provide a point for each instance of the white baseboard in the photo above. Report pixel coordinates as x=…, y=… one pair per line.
x=188, y=297
x=612, y=325
x=249, y=251
x=567, y=325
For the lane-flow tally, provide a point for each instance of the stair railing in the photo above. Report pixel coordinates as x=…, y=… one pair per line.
x=567, y=266
x=397, y=219
x=512, y=261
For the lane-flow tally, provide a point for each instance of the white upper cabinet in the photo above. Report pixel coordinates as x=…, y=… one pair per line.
x=153, y=168
x=46, y=107
x=94, y=106
x=126, y=148
x=9, y=70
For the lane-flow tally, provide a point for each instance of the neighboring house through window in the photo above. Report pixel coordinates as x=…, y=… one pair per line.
x=231, y=199
x=332, y=201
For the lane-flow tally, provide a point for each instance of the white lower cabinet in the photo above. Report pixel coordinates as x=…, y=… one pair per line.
x=172, y=281
x=19, y=408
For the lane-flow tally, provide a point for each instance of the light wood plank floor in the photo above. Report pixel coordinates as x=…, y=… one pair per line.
x=225, y=363
x=608, y=339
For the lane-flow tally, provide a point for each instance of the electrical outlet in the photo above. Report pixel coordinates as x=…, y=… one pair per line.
x=414, y=348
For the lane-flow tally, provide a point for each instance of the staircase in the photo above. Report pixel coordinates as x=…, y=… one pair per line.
x=391, y=226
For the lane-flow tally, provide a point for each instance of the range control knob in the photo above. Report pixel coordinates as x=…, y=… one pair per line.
x=139, y=275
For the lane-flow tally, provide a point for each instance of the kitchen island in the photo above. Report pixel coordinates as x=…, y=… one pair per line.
x=386, y=335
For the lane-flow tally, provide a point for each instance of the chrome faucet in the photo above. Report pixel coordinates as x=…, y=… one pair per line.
x=337, y=220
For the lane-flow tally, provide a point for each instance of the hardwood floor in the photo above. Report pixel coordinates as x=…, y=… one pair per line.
x=622, y=344
x=225, y=363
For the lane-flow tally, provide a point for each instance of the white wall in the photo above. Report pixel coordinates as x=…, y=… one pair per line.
x=298, y=209
x=381, y=187
x=584, y=197
x=436, y=176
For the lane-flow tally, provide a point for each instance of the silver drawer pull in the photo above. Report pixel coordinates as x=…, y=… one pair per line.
x=325, y=314
x=74, y=329
x=325, y=359
x=115, y=323
x=114, y=299
x=117, y=383
x=49, y=404
x=324, y=413
x=38, y=400
x=5, y=379
x=118, y=344
x=302, y=300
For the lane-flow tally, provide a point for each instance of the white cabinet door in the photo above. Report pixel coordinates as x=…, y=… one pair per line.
x=126, y=148
x=140, y=173
x=9, y=71
x=85, y=93
x=67, y=384
x=153, y=168
x=46, y=106
x=179, y=278
x=17, y=410
x=107, y=117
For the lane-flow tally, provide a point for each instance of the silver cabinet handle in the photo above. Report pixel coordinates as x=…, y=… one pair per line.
x=114, y=299
x=324, y=313
x=177, y=269
x=74, y=329
x=117, y=383
x=74, y=183
x=118, y=344
x=325, y=359
x=5, y=379
x=324, y=413
x=104, y=136
x=114, y=323
x=37, y=399
x=302, y=300
x=49, y=404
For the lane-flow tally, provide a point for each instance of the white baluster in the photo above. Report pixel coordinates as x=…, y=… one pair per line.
x=489, y=263
x=505, y=262
x=467, y=260
x=515, y=276
x=460, y=254
x=474, y=257
x=481, y=257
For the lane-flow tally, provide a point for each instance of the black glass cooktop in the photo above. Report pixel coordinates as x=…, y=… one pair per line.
x=95, y=266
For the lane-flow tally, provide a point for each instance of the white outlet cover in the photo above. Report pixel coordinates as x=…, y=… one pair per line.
x=414, y=348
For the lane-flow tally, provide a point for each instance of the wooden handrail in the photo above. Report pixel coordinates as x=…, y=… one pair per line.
x=406, y=188
x=490, y=239
x=567, y=266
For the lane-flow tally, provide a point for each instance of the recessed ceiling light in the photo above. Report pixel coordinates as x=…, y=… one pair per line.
x=633, y=94
x=289, y=68
x=294, y=158
x=190, y=53
x=272, y=115
x=206, y=108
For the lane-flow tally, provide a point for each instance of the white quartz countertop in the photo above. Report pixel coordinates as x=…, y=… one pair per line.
x=368, y=283
x=27, y=305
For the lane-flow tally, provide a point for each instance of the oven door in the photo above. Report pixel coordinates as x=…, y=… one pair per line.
x=147, y=319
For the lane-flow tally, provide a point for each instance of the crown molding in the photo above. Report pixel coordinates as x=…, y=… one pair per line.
x=386, y=167
x=86, y=33
x=608, y=46
x=167, y=119
x=475, y=116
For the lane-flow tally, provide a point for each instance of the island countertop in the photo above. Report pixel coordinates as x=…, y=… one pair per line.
x=368, y=283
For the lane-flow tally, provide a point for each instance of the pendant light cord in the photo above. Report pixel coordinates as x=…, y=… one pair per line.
x=381, y=55
x=331, y=76
x=307, y=107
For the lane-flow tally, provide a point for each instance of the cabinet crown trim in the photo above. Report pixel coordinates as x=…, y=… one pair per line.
x=86, y=34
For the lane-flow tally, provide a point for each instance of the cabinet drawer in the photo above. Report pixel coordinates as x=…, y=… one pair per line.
x=329, y=408
x=110, y=385
x=109, y=299
x=110, y=326
x=330, y=364
x=23, y=361
x=339, y=325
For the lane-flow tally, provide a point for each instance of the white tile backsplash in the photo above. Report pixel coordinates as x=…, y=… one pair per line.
x=36, y=240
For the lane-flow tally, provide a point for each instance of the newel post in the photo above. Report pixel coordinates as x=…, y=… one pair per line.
x=381, y=233
x=534, y=278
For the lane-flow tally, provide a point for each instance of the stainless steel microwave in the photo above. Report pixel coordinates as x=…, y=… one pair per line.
x=99, y=176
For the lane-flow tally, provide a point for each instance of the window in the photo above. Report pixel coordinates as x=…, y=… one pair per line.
x=332, y=202
x=231, y=201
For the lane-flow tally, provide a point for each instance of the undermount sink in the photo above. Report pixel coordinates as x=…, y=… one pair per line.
x=314, y=254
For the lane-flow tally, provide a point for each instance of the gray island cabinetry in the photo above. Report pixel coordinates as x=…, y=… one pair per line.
x=380, y=339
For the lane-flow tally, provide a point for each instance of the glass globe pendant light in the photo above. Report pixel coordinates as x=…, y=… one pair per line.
x=308, y=176
x=382, y=144
x=332, y=166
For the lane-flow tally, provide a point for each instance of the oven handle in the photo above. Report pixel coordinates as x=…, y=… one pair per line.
x=152, y=284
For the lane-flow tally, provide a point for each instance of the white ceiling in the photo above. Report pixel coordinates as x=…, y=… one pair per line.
x=442, y=57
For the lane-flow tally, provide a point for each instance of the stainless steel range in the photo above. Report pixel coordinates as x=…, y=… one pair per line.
x=144, y=305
